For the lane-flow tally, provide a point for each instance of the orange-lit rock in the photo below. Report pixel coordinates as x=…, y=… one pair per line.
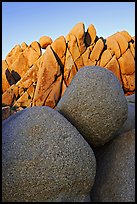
x=112, y=44
x=44, y=41
x=32, y=53
x=69, y=68
x=105, y=58
x=97, y=50
x=47, y=75
x=59, y=48
x=90, y=35
x=127, y=63
x=12, y=55
x=79, y=32
x=121, y=40
x=10, y=95
x=114, y=67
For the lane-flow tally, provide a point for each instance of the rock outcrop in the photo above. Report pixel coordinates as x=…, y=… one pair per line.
x=78, y=49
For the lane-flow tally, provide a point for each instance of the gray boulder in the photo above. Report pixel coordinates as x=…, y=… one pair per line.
x=44, y=158
x=131, y=98
x=129, y=124
x=115, y=176
x=95, y=104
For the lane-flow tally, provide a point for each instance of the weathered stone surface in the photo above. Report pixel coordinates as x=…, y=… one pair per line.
x=49, y=72
x=31, y=75
x=32, y=53
x=54, y=94
x=114, y=67
x=24, y=101
x=95, y=104
x=129, y=83
x=44, y=41
x=44, y=158
x=97, y=50
x=5, y=112
x=59, y=48
x=20, y=65
x=122, y=42
x=79, y=62
x=7, y=79
x=36, y=46
x=127, y=63
x=105, y=58
x=63, y=88
x=90, y=35
x=126, y=35
x=70, y=68
x=26, y=83
x=86, y=57
x=10, y=95
x=127, y=66
x=24, y=46
x=129, y=124
x=77, y=50
x=79, y=32
x=112, y=44
x=72, y=46
x=132, y=49
x=133, y=38
x=12, y=55
x=115, y=176
x=131, y=98
x=4, y=64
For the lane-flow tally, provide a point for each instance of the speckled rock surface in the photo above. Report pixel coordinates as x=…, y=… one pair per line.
x=115, y=176
x=44, y=158
x=95, y=104
x=129, y=124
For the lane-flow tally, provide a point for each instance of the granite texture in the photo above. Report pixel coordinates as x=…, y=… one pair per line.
x=115, y=176
x=44, y=158
x=95, y=104
x=129, y=124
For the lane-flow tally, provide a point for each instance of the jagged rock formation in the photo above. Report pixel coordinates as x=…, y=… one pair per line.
x=30, y=78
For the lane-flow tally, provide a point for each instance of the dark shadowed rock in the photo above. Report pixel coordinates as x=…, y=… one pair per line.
x=131, y=98
x=44, y=158
x=95, y=104
x=129, y=124
x=115, y=176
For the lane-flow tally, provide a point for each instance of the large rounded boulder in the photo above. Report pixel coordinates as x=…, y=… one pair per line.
x=44, y=158
x=95, y=104
x=115, y=176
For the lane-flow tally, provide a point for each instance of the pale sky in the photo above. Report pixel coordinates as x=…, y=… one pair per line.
x=28, y=21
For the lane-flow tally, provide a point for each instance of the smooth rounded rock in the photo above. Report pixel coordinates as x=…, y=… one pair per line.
x=115, y=175
x=44, y=158
x=131, y=98
x=129, y=124
x=45, y=41
x=95, y=104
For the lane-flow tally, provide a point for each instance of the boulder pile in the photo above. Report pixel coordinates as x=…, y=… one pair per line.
x=30, y=78
x=81, y=151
